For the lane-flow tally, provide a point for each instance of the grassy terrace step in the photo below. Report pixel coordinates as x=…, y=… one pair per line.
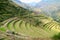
x=4, y=27
x=51, y=28
x=29, y=30
x=10, y=25
x=26, y=29
x=33, y=32
x=9, y=20
x=17, y=28
x=39, y=31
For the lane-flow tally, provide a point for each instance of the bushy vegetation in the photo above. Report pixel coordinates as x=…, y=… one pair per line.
x=19, y=20
x=8, y=10
x=56, y=37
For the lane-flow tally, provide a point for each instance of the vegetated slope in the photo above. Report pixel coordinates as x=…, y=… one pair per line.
x=9, y=9
x=44, y=27
x=24, y=24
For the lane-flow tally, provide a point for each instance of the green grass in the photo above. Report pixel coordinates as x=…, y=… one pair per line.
x=26, y=29
x=2, y=29
x=10, y=25
x=51, y=28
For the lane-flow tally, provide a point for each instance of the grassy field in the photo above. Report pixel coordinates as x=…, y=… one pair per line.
x=17, y=23
x=25, y=29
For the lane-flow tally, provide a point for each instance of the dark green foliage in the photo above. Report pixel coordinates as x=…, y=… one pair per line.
x=56, y=37
x=2, y=38
x=8, y=10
